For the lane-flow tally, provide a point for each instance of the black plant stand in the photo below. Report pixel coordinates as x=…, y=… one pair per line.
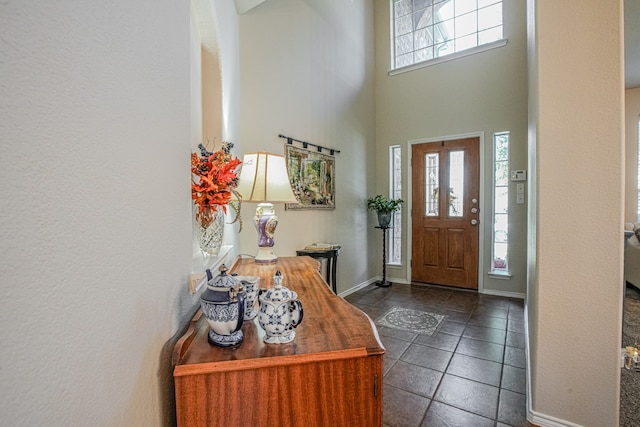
x=384, y=283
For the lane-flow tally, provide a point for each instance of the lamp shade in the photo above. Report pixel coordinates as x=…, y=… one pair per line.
x=264, y=178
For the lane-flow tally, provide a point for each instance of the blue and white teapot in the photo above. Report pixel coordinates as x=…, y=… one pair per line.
x=280, y=312
x=223, y=306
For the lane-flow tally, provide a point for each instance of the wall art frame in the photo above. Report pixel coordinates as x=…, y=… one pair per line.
x=312, y=178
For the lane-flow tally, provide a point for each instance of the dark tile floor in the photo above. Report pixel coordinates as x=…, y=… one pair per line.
x=471, y=372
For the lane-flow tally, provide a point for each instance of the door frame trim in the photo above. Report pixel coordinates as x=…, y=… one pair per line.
x=483, y=212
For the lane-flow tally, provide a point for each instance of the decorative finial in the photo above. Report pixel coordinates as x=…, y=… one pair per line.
x=278, y=278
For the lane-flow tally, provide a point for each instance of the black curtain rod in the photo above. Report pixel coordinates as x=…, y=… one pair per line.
x=306, y=144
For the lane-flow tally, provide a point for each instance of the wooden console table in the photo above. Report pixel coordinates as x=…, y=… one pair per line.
x=330, y=375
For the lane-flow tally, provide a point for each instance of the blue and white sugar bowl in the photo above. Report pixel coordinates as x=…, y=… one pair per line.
x=280, y=312
x=251, y=286
x=223, y=306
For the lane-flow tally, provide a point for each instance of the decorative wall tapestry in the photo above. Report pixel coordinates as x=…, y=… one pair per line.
x=312, y=179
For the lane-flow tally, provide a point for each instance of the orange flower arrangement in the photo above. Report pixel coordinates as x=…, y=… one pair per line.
x=216, y=182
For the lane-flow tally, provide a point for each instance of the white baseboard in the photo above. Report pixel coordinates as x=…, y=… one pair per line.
x=548, y=421
x=534, y=417
x=392, y=280
x=368, y=282
x=505, y=294
x=356, y=288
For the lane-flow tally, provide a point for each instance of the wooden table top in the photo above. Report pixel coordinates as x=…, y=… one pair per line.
x=331, y=328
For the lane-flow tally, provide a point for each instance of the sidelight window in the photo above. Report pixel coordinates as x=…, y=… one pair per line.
x=500, y=242
x=395, y=186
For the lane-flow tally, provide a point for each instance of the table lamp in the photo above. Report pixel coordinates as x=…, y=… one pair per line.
x=264, y=179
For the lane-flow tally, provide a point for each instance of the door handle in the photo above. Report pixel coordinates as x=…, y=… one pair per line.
x=474, y=222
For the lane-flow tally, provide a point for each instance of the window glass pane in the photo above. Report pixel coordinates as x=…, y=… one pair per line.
x=502, y=200
x=501, y=228
x=484, y=3
x=502, y=174
x=419, y=4
x=402, y=7
x=443, y=11
x=456, y=183
x=432, y=163
x=423, y=54
x=490, y=16
x=466, y=24
x=466, y=42
x=404, y=60
x=423, y=38
x=500, y=256
x=404, y=44
x=464, y=6
x=489, y=35
x=404, y=25
x=423, y=18
x=443, y=49
x=445, y=30
x=502, y=147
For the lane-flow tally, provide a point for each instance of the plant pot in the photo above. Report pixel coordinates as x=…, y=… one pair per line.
x=384, y=219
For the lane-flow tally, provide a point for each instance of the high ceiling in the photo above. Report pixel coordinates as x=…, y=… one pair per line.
x=631, y=37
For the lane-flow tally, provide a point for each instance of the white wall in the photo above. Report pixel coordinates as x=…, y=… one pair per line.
x=215, y=97
x=306, y=72
x=95, y=209
x=574, y=302
x=632, y=115
x=485, y=92
x=228, y=36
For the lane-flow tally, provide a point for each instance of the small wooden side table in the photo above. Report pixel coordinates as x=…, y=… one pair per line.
x=384, y=282
x=331, y=255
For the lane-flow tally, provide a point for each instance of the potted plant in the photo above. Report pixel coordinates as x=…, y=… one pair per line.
x=385, y=207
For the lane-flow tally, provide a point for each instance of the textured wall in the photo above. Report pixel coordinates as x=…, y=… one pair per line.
x=95, y=212
x=575, y=289
x=307, y=73
x=485, y=92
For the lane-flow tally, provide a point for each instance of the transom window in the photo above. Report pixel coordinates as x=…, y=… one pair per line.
x=429, y=29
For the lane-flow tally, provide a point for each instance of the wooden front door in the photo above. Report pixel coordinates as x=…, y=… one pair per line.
x=445, y=212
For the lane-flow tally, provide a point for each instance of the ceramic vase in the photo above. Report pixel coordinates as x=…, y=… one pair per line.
x=280, y=312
